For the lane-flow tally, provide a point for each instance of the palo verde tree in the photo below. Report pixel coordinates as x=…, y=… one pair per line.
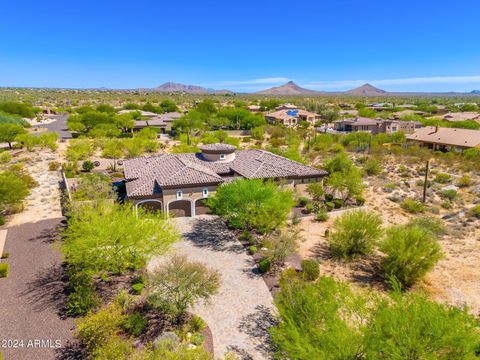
x=189, y=123
x=8, y=133
x=252, y=204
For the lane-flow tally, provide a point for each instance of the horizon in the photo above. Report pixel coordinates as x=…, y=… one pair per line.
x=244, y=47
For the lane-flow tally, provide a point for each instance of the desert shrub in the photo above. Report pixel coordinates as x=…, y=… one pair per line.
x=442, y=178
x=322, y=215
x=5, y=157
x=179, y=283
x=310, y=270
x=197, y=324
x=413, y=327
x=372, y=167
x=87, y=166
x=429, y=223
x=116, y=347
x=197, y=339
x=279, y=246
x=410, y=252
x=252, y=204
x=264, y=265
x=97, y=328
x=124, y=299
x=355, y=233
x=135, y=323
x=138, y=288
x=15, y=185
x=247, y=237
x=93, y=186
x=464, y=181
x=315, y=190
x=2, y=220
x=302, y=201
x=252, y=249
x=82, y=297
x=53, y=165
x=475, y=211
x=412, y=206
x=449, y=194
x=4, y=268
x=309, y=208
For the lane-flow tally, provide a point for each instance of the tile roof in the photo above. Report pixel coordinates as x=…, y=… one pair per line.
x=218, y=147
x=447, y=136
x=148, y=175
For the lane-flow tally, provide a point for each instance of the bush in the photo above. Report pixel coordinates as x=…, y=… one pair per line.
x=448, y=194
x=310, y=270
x=53, y=165
x=5, y=157
x=302, y=201
x=410, y=253
x=179, y=283
x=4, y=268
x=372, y=167
x=464, y=181
x=429, y=223
x=321, y=216
x=280, y=246
x=116, y=348
x=442, y=178
x=135, y=324
x=137, y=288
x=355, y=233
x=264, y=265
x=197, y=323
x=87, y=166
x=412, y=206
x=475, y=211
x=252, y=249
x=99, y=327
x=315, y=190
x=82, y=296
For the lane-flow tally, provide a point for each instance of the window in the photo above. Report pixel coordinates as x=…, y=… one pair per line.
x=222, y=156
x=179, y=194
x=205, y=192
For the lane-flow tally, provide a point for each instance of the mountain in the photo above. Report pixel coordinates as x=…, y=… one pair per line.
x=476, y=92
x=366, y=90
x=171, y=87
x=290, y=88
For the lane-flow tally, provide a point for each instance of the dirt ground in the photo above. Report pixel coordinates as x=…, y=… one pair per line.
x=456, y=278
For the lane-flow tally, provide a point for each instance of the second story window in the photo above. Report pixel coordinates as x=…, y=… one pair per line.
x=222, y=156
x=179, y=194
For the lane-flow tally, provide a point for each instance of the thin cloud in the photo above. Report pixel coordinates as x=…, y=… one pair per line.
x=401, y=81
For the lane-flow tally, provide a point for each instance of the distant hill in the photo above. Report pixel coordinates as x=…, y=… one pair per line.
x=476, y=92
x=290, y=88
x=171, y=87
x=366, y=90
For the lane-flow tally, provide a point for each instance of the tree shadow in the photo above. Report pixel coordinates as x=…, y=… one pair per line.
x=257, y=325
x=73, y=350
x=50, y=234
x=48, y=290
x=213, y=234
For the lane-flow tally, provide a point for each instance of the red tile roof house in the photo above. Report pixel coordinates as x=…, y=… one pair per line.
x=178, y=184
x=376, y=126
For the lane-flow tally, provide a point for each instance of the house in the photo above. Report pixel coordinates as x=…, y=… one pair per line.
x=462, y=116
x=254, y=108
x=180, y=183
x=440, y=138
x=163, y=122
x=375, y=126
x=288, y=116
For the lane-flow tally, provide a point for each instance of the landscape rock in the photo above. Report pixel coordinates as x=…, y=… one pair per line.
x=168, y=337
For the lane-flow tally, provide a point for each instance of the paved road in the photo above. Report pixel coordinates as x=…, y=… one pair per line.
x=241, y=313
x=59, y=126
x=32, y=297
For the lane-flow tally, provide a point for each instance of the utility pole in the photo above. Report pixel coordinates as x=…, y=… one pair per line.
x=425, y=182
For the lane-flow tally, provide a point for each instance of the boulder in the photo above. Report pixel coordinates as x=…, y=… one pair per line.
x=167, y=337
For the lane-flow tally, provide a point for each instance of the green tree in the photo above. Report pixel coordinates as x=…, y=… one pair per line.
x=110, y=238
x=168, y=106
x=206, y=107
x=252, y=204
x=113, y=149
x=179, y=284
x=8, y=133
x=189, y=123
x=13, y=190
x=410, y=252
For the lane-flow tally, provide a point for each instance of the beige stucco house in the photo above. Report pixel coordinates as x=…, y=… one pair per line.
x=179, y=184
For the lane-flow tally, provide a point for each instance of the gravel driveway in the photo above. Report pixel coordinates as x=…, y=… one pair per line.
x=32, y=297
x=241, y=313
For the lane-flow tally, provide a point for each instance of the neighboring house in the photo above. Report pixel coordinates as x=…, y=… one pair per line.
x=163, y=122
x=462, y=116
x=254, y=108
x=291, y=117
x=287, y=106
x=180, y=183
x=440, y=138
x=399, y=114
x=376, y=126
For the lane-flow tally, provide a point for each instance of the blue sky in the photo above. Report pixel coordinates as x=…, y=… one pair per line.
x=247, y=45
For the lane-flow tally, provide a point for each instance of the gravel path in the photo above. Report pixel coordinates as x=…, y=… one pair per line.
x=32, y=296
x=241, y=313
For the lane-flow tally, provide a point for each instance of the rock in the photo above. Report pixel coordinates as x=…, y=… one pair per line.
x=476, y=190
x=397, y=196
x=450, y=187
x=167, y=337
x=191, y=347
x=387, y=190
x=411, y=183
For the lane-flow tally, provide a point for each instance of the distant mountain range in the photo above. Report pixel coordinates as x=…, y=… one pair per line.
x=476, y=92
x=366, y=90
x=171, y=87
x=290, y=88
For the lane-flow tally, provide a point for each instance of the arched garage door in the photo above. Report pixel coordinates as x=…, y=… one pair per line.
x=200, y=207
x=151, y=205
x=180, y=208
